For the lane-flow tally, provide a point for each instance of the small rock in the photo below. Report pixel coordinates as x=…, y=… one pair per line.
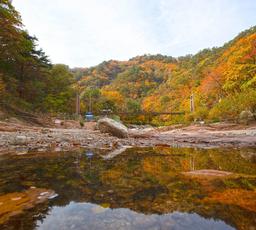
x=53, y=196
x=57, y=149
x=44, y=131
x=20, y=140
x=16, y=198
x=42, y=150
x=22, y=151
x=58, y=140
x=43, y=193
x=64, y=144
x=57, y=122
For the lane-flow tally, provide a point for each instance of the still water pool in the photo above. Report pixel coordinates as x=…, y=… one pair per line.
x=142, y=188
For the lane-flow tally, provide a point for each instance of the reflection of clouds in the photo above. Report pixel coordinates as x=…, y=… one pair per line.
x=91, y=216
x=146, y=180
x=89, y=154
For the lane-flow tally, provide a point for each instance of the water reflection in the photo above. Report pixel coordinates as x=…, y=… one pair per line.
x=90, y=216
x=139, y=184
x=89, y=154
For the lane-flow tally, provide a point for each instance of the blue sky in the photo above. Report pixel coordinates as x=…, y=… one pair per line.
x=83, y=33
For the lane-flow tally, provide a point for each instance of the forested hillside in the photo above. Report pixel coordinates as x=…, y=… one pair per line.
x=28, y=80
x=222, y=80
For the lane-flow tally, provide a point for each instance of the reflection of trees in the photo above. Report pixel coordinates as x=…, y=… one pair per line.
x=145, y=180
x=192, y=162
x=27, y=219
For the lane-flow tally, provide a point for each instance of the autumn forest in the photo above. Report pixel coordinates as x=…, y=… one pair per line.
x=222, y=80
x=151, y=142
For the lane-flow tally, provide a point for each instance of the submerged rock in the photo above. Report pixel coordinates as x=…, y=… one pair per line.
x=208, y=172
x=107, y=125
x=15, y=203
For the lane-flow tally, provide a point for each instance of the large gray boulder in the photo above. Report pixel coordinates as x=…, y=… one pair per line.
x=107, y=125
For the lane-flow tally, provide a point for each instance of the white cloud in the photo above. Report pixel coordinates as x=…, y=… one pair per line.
x=84, y=32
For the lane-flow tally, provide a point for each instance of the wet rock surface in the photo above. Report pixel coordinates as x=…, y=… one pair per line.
x=117, y=129
x=21, y=139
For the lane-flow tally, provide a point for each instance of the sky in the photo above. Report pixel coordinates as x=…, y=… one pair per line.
x=83, y=33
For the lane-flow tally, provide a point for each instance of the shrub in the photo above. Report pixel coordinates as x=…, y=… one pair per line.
x=201, y=113
x=232, y=106
x=81, y=122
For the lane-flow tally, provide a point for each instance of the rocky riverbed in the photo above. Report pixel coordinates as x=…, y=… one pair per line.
x=21, y=138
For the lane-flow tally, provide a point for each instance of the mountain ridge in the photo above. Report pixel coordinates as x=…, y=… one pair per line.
x=164, y=83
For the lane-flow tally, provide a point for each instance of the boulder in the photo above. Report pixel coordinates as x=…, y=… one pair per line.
x=246, y=116
x=107, y=125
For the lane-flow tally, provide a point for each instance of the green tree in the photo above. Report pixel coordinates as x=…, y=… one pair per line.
x=60, y=93
x=133, y=106
x=23, y=67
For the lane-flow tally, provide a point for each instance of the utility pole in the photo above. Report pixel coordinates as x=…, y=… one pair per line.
x=78, y=101
x=192, y=104
x=90, y=102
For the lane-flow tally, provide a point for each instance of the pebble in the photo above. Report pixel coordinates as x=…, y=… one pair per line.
x=16, y=198
x=20, y=140
x=53, y=196
x=43, y=193
x=42, y=150
x=57, y=149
